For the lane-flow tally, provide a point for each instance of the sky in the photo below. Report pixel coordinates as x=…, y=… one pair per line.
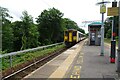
x=76, y=10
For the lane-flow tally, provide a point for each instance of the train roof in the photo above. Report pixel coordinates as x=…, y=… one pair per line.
x=81, y=33
x=75, y=30
x=71, y=30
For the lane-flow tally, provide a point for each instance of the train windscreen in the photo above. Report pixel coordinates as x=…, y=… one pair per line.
x=66, y=33
x=74, y=33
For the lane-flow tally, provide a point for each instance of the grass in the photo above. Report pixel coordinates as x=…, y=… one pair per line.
x=20, y=59
x=109, y=41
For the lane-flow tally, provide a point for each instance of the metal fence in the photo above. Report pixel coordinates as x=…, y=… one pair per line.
x=8, y=57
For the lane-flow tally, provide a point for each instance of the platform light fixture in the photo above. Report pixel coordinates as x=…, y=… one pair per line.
x=102, y=11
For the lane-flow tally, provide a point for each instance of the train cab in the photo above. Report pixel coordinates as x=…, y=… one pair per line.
x=72, y=36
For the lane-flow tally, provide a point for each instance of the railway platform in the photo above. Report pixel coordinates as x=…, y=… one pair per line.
x=96, y=66
x=80, y=61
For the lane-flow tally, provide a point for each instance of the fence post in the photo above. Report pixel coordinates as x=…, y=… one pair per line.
x=11, y=61
x=0, y=67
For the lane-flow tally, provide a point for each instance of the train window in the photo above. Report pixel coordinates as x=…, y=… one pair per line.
x=74, y=33
x=66, y=33
x=79, y=35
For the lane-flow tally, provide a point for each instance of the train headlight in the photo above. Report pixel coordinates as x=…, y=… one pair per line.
x=74, y=38
x=65, y=37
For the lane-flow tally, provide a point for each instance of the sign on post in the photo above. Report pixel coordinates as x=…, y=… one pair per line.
x=112, y=11
x=103, y=8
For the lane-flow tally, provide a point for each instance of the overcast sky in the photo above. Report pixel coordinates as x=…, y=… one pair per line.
x=76, y=10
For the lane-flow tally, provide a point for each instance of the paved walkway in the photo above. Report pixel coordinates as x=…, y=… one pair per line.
x=85, y=63
x=96, y=66
x=89, y=64
x=57, y=67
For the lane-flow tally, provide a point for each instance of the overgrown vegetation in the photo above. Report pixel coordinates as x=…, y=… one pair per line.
x=24, y=34
x=108, y=27
x=108, y=40
x=19, y=59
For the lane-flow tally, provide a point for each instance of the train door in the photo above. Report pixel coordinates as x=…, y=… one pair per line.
x=70, y=36
x=66, y=36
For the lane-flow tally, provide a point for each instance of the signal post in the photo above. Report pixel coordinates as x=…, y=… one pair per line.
x=113, y=11
x=113, y=41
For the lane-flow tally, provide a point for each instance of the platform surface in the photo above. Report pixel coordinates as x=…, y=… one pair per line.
x=59, y=66
x=96, y=66
x=79, y=61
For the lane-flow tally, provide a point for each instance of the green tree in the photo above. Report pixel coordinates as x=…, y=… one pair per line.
x=108, y=34
x=17, y=31
x=7, y=32
x=69, y=24
x=0, y=32
x=29, y=32
x=25, y=33
x=108, y=26
x=50, y=26
x=81, y=30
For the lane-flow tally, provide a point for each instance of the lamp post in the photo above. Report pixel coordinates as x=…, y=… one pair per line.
x=102, y=11
x=102, y=35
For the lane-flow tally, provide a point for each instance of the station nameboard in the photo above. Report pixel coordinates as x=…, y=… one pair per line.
x=112, y=11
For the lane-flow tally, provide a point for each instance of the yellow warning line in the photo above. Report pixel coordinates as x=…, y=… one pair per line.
x=77, y=69
x=71, y=76
x=60, y=72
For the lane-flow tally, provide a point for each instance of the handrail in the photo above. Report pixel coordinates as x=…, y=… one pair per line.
x=28, y=50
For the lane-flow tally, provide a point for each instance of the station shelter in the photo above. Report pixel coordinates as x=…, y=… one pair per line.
x=94, y=30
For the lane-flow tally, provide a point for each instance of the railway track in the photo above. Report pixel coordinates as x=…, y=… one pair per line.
x=33, y=65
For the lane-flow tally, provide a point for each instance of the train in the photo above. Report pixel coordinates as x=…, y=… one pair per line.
x=72, y=36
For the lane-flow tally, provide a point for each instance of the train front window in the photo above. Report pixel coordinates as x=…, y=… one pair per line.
x=66, y=33
x=74, y=33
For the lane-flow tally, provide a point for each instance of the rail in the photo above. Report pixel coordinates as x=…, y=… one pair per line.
x=9, y=55
x=29, y=50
